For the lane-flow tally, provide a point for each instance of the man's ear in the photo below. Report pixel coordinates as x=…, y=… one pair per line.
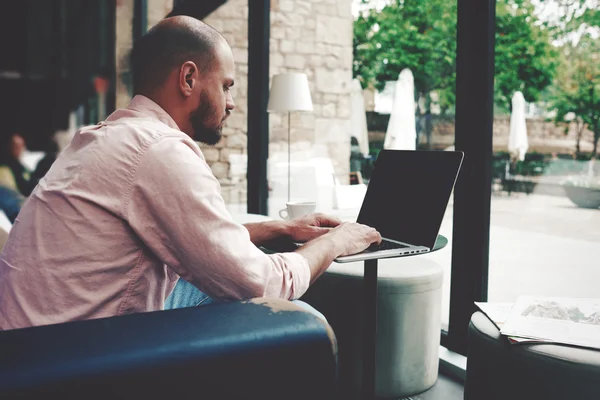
x=188, y=77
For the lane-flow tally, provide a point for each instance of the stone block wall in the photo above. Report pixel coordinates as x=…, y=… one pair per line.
x=124, y=41
x=157, y=9
x=231, y=19
x=313, y=37
x=543, y=136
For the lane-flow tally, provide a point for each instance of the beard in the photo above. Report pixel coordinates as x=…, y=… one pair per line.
x=203, y=133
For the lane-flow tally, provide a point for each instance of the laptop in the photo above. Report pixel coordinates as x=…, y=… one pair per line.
x=406, y=200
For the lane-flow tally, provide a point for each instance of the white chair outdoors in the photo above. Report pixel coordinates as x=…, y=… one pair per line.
x=313, y=180
x=304, y=184
x=349, y=196
x=344, y=196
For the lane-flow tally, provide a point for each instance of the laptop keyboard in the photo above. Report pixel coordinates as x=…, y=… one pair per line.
x=385, y=245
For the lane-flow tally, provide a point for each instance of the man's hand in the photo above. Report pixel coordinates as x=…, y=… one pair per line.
x=311, y=226
x=345, y=239
x=351, y=238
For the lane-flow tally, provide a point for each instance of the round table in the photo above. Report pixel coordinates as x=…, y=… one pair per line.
x=370, y=318
x=370, y=304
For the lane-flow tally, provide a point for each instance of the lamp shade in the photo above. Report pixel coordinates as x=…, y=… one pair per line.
x=290, y=92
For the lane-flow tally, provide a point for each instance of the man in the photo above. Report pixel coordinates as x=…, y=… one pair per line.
x=131, y=205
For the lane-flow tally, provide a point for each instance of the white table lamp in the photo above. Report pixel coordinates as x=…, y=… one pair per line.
x=289, y=92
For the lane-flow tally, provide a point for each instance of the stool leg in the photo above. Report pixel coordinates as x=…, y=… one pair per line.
x=369, y=329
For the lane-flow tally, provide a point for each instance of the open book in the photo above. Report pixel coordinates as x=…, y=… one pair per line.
x=574, y=321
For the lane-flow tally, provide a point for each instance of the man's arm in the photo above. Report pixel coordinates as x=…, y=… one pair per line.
x=263, y=232
x=324, y=243
x=299, y=229
x=176, y=210
x=347, y=238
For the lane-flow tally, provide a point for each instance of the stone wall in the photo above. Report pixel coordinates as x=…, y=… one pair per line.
x=313, y=37
x=544, y=136
x=157, y=10
x=124, y=41
x=231, y=19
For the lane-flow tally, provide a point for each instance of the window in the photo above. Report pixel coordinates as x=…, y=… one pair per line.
x=544, y=235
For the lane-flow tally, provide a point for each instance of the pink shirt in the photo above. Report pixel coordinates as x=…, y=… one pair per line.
x=128, y=207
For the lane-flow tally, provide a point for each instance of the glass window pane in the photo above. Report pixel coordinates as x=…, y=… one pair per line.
x=404, y=57
x=544, y=236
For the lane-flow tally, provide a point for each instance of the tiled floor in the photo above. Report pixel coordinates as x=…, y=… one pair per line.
x=444, y=389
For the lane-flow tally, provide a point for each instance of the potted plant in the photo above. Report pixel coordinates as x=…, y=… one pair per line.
x=584, y=191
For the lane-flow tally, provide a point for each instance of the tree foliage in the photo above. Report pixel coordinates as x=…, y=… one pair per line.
x=524, y=58
x=576, y=93
x=421, y=35
x=572, y=15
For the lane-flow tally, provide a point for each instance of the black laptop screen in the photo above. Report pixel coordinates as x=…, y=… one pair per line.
x=408, y=194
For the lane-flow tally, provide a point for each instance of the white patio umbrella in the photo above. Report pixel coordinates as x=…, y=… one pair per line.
x=401, y=131
x=517, y=139
x=358, y=117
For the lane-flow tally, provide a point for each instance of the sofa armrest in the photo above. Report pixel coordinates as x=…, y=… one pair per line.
x=263, y=348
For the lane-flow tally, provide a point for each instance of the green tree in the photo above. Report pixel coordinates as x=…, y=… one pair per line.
x=576, y=92
x=421, y=35
x=572, y=16
x=524, y=58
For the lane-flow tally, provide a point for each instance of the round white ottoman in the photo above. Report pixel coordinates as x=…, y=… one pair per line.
x=408, y=326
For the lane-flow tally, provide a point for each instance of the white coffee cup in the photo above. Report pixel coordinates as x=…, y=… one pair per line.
x=296, y=209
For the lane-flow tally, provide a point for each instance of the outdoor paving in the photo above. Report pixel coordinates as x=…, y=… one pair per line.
x=539, y=245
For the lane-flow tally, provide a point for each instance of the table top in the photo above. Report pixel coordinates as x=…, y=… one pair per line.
x=440, y=243
x=399, y=274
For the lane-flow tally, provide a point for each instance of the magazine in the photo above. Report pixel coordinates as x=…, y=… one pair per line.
x=496, y=312
x=574, y=321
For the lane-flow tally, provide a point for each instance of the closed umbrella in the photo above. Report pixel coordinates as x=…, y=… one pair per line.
x=401, y=132
x=517, y=139
x=358, y=117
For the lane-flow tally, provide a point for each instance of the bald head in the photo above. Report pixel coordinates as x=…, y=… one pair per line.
x=167, y=46
x=188, y=69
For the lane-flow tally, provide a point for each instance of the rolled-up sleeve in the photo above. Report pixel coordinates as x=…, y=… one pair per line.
x=175, y=207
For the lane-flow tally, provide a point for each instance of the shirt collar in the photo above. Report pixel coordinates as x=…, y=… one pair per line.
x=143, y=105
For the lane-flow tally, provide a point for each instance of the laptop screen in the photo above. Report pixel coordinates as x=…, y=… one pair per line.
x=408, y=194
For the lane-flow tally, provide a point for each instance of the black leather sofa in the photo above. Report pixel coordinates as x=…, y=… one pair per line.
x=267, y=349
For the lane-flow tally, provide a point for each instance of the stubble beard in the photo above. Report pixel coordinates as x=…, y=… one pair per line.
x=202, y=133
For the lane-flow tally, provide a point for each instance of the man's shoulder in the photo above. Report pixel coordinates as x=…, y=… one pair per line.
x=138, y=135
x=149, y=129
